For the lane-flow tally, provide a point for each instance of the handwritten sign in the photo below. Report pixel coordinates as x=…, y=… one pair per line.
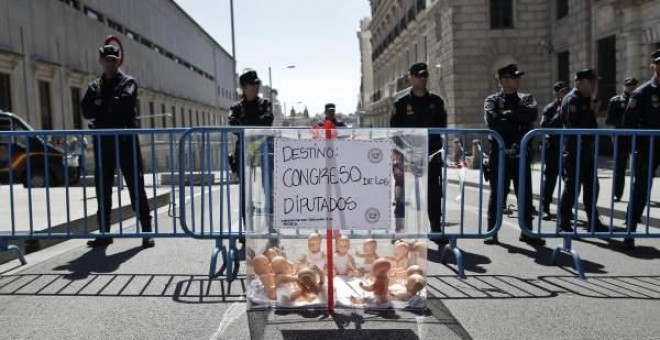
x=342, y=183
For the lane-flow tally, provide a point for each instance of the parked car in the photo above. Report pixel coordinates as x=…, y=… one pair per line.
x=34, y=161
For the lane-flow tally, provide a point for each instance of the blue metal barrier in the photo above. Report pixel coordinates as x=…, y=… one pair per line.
x=581, y=148
x=231, y=227
x=46, y=194
x=218, y=215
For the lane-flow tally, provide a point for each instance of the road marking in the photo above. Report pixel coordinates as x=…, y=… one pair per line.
x=233, y=313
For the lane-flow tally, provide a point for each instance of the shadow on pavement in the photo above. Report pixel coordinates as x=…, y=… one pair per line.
x=473, y=262
x=347, y=323
x=191, y=289
x=608, y=287
x=485, y=287
x=543, y=256
x=96, y=261
x=640, y=252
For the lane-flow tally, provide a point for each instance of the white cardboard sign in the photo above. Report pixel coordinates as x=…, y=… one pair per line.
x=345, y=184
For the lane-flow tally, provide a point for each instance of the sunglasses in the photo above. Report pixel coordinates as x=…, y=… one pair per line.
x=423, y=75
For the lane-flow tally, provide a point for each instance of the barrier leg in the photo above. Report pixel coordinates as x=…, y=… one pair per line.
x=219, y=249
x=458, y=255
x=16, y=250
x=566, y=248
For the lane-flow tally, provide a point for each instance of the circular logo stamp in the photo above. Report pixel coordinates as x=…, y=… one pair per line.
x=375, y=155
x=372, y=215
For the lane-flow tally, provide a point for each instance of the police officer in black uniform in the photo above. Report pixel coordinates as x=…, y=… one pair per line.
x=251, y=110
x=111, y=103
x=512, y=115
x=643, y=112
x=422, y=109
x=330, y=110
x=551, y=119
x=578, y=111
x=615, y=110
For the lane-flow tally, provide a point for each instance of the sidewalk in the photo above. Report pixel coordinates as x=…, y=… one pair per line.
x=606, y=206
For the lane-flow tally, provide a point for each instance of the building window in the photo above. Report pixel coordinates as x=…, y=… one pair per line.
x=182, y=117
x=72, y=3
x=163, y=118
x=197, y=118
x=93, y=14
x=562, y=8
x=190, y=118
x=152, y=112
x=501, y=14
x=44, y=105
x=563, y=66
x=115, y=26
x=5, y=92
x=607, y=85
x=173, y=117
x=75, y=107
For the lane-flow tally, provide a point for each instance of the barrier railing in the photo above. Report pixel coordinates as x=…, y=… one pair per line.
x=584, y=158
x=52, y=183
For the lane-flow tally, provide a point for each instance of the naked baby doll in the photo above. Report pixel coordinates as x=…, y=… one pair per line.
x=399, y=260
x=414, y=284
x=315, y=256
x=309, y=284
x=380, y=284
x=283, y=270
x=368, y=254
x=262, y=269
x=344, y=264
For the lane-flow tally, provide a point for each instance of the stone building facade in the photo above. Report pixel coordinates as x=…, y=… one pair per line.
x=466, y=41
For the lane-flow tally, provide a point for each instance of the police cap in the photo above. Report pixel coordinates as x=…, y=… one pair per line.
x=560, y=85
x=249, y=77
x=630, y=81
x=419, y=69
x=587, y=73
x=510, y=70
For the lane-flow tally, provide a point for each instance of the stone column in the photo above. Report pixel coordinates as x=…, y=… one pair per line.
x=633, y=40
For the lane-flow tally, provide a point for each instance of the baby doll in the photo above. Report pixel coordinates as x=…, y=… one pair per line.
x=272, y=252
x=418, y=253
x=368, y=254
x=380, y=284
x=344, y=264
x=309, y=284
x=399, y=260
x=414, y=284
x=414, y=269
x=262, y=269
x=315, y=256
x=284, y=273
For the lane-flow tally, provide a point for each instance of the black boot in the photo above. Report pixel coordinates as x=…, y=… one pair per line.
x=100, y=242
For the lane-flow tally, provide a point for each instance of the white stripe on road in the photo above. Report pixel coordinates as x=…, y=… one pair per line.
x=233, y=313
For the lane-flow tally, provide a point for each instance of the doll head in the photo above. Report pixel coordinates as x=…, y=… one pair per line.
x=369, y=246
x=308, y=278
x=261, y=265
x=415, y=283
x=314, y=243
x=414, y=269
x=279, y=265
x=343, y=244
x=401, y=250
x=271, y=253
x=381, y=267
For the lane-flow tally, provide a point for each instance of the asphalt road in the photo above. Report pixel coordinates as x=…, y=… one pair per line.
x=512, y=292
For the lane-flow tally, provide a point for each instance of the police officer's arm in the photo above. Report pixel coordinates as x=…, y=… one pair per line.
x=611, y=112
x=546, y=116
x=266, y=117
x=569, y=112
x=632, y=118
x=439, y=121
x=495, y=120
x=526, y=112
x=91, y=102
x=396, y=120
x=235, y=115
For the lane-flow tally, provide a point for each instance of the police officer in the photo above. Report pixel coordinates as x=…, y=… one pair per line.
x=512, y=115
x=551, y=119
x=111, y=103
x=422, y=109
x=643, y=112
x=330, y=110
x=615, y=110
x=578, y=111
x=251, y=110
